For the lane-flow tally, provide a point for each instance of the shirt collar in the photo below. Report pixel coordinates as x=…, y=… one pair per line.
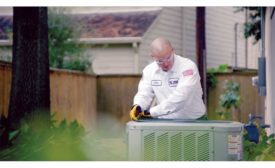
x=173, y=69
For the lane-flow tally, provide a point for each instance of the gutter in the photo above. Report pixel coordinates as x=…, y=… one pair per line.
x=5, y=42
x=112, y=40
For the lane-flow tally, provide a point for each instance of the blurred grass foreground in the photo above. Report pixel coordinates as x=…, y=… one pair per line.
x=66, y=141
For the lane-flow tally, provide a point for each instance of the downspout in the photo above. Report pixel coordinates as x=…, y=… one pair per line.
x=246, y=42
x=236, y=45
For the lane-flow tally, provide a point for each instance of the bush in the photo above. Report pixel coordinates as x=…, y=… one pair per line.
x=211, y=74
x=35, y=142
x=230, y=99
x=263, y=151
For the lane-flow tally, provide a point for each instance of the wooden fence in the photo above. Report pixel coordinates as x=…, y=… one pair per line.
x=251, y=102
x=5, y=86
x=115, y=94
x=73, y=95
x=84, y=97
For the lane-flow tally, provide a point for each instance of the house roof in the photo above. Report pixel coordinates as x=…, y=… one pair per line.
x=103, y=25
x=128, y=24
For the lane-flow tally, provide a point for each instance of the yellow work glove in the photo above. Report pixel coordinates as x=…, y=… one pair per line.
x=135, y=112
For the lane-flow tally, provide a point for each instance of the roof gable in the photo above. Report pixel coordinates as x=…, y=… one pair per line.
x=130, y=24
x=103, y=25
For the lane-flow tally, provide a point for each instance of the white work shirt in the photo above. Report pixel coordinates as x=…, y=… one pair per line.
x=178, y=91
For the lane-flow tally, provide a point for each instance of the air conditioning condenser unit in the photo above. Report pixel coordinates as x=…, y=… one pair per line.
x=184, y=140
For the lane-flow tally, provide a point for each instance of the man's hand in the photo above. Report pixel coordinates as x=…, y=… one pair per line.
x=146, y=114
x=135, y=112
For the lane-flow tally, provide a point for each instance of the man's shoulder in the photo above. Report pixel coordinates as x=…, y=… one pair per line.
x=186, y=62
x=150, y=68
x=186, y=66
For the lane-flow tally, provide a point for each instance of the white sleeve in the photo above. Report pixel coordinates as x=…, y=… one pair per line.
x=180, y=96
x=145, y=92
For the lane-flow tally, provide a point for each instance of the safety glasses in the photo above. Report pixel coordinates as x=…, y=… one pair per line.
x=164, y=60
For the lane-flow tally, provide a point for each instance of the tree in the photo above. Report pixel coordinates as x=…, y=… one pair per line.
x=30, y=133
x=252, y=28
x=64, y=49
x=30, y=90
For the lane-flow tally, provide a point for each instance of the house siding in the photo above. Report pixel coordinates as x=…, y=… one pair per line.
x=112, y=60
x=189, y=33
x=220, y=38
x=168, y=24
x=220, y=42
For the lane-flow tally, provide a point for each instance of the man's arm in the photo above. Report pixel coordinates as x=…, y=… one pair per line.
x=145, y=92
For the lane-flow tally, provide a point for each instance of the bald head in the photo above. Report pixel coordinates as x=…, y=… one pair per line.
x=160, y=45
x=162, y=52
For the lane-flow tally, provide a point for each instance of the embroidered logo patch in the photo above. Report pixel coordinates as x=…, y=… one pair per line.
x=173, y=82
x=156, y=82
x=188, y=72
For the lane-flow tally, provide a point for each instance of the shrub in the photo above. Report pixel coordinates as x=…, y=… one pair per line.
x=37, y=142
x=263, y=151
x=230, y=99
x=211, y=74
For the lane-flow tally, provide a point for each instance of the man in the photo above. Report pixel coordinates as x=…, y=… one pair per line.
x=174, y=81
